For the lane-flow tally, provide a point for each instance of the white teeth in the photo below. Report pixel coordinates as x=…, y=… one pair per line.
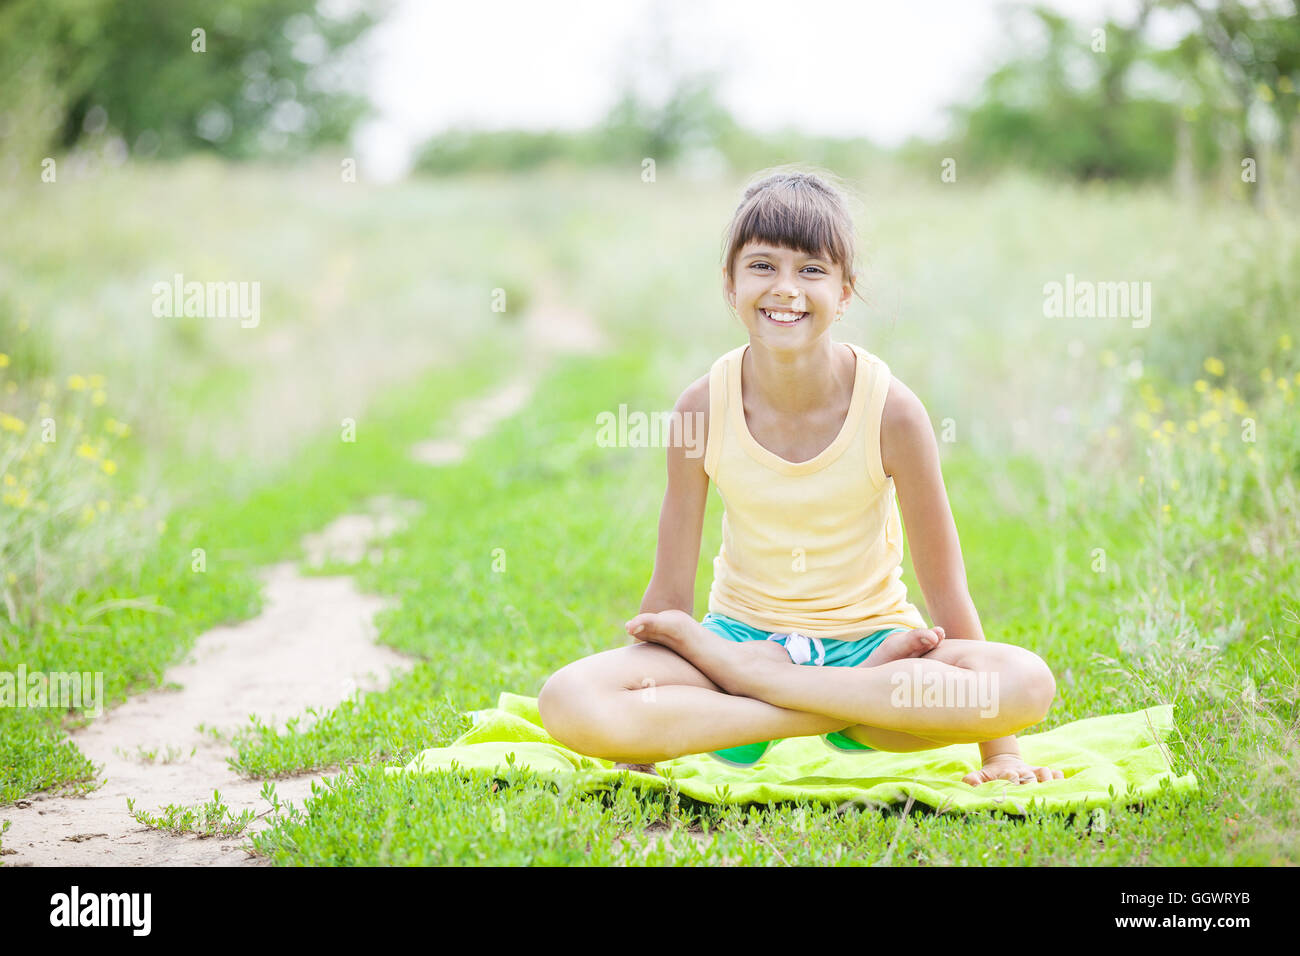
x=787, y=318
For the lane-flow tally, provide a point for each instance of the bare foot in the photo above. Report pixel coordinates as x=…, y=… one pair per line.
x=641, y=767
x=898, y=647
x=727, y=664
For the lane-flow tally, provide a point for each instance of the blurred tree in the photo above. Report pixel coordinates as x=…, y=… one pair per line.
x=1068, y=108
x=1244, y=65
x=241, y=77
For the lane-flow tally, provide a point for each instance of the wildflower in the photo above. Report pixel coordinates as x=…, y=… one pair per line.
x=1202, y=385
x=16, y=498
x=4, y=360
x=1166, y=509
x=1238, y=406
x=87, y=514
x=1168, y=426
x=1214, y=366
x=11, y=424
x=85, y=451
x=76, y=383
x=1142, y=420
x=109, y=466
x=1284, y=342
x=10, y=480
x=1190, y=425
x=98, y=398
x=1283, y=384
x=1297, y=378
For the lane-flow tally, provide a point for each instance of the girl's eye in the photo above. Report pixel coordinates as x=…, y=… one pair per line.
x=818, y=268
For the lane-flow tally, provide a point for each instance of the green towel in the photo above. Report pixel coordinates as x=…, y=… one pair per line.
x=1119, y=758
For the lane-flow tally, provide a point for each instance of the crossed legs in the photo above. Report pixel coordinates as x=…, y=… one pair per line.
x=684, y=690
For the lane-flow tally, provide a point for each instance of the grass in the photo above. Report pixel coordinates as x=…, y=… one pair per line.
x=1145, y=566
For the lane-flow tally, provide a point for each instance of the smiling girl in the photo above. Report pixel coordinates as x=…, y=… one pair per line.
x=809, y=630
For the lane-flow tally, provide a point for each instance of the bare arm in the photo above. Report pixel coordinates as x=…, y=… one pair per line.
x=681, y=518
x=910, y=454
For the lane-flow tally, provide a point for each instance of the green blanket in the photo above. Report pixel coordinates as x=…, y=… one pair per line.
x=1116, y=758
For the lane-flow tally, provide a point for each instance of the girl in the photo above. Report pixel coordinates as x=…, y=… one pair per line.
x=809, y=630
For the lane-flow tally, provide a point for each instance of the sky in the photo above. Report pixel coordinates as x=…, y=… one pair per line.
x=883, y=70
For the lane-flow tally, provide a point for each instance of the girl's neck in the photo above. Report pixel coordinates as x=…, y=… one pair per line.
x=799, y=382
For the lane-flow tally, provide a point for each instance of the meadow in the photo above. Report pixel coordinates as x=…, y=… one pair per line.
x=1126, y=496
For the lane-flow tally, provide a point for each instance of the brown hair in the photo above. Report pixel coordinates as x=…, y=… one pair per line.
x=802, y=208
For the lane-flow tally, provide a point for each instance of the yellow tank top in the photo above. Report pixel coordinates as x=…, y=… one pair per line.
x=813, y=546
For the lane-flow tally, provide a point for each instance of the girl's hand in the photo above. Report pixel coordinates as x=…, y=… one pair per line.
x=1010, y=767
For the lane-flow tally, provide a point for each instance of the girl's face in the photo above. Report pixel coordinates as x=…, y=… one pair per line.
x=785, y=298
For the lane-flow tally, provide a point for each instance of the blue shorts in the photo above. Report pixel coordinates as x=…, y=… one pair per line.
x=823, y=652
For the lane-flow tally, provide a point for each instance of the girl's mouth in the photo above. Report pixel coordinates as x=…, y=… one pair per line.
x=783, y=318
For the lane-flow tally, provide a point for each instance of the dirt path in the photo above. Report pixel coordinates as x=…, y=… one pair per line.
x=546, y=332
x=312, y=646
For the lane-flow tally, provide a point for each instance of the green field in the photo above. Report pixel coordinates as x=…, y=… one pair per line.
x=1071, y=435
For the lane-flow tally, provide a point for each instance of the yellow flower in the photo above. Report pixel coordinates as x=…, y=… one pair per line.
x=1297, y=378
x=1214, y=366
x=1217, y=395
x=16, y=498
x=102, y=504
x=96, y=381
x=76, y=383
x=1168, y=426
x=1191, y=426
x=99, y=398
x=1238, y=406
x=11, y=424
x=1283, y=384
x=1284, y=342
x=1166, y=509
x=4, y=360
x=10, y=480
x=1202, y=385
x=109, y=467
x=1142, y=420
x=1154, y=404
x=1142, y=479
x=87, y=514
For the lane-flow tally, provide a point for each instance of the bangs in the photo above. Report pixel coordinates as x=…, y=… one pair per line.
x=794, y=218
